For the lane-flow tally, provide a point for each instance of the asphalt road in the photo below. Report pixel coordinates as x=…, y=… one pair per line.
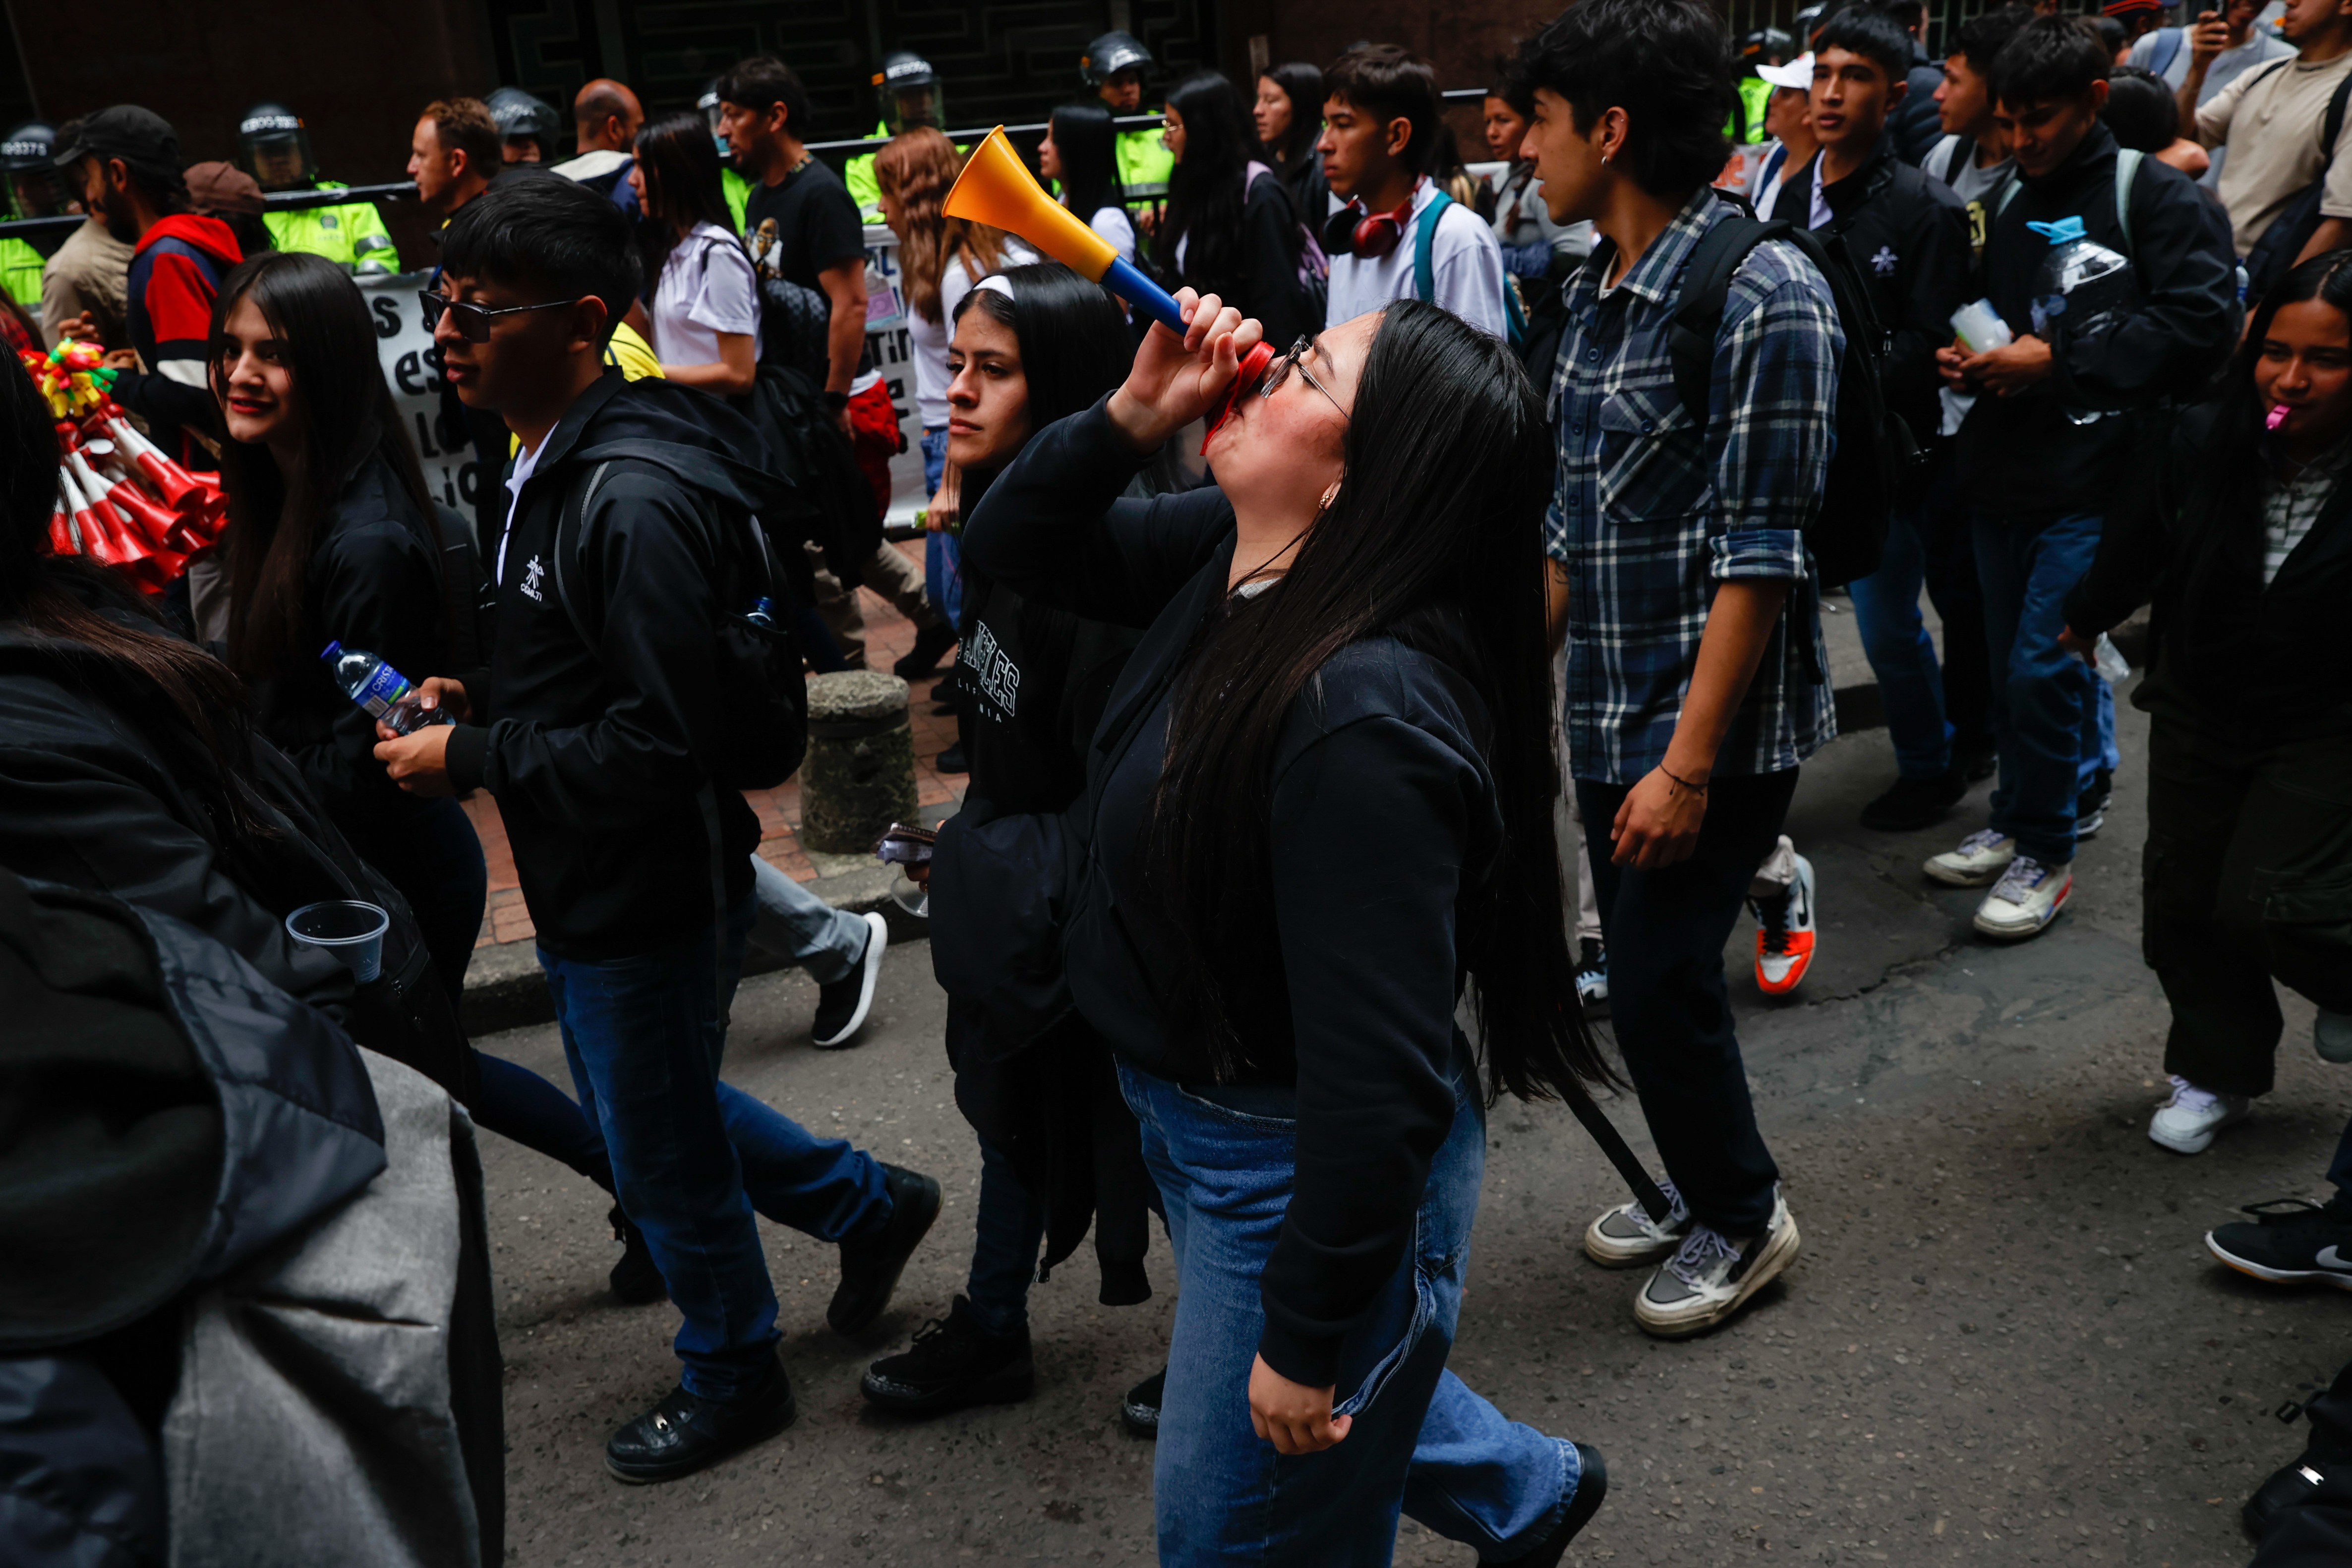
x=2004, y=1343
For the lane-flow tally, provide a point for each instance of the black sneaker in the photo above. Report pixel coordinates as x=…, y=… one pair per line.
x=1592, y=1490
x=1592, y=976
x=2091, y=805
x=1913, y=803
x=2292, y=1241
x=871, y=1268
x=686, y=1433
x=931, y=644
x=1138, y=1410
x=953, y=1365
x=636, y=1279
x=1976, y=760
x=842, y=1006
x=951, y=762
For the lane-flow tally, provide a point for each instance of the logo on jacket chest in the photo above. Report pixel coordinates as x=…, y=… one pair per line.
x=1884, y=262
x=997, y=678
x=532, y=571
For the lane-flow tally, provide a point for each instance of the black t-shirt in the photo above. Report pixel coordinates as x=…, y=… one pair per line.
x=816, y=225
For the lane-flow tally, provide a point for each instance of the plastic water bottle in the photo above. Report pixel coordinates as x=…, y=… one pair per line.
x=379, y=688
x=763, y=611
x=2079, y=279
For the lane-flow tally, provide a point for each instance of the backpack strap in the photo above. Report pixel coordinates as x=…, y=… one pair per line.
x=1425, y=239
x=568, y=526
x=2331, y=128
x=2166, y=49
x=2127, y=162
x=1699, y=301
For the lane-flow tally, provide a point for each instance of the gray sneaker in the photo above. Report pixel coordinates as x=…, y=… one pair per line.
x=1712, y=1277
x=1626, y=1236
x=2331, y=1036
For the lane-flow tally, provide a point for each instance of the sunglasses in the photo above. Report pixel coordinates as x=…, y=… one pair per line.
x=473, y=321
x=1295, y=360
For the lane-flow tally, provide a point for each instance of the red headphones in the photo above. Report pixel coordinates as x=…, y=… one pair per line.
x=1351, y=231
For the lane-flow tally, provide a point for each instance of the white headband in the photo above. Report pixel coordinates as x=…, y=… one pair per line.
x=996, y=281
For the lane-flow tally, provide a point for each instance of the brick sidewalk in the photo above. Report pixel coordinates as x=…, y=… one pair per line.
x=888, y=634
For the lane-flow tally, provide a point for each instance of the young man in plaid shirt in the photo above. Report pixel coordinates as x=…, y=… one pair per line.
x=1678, y=560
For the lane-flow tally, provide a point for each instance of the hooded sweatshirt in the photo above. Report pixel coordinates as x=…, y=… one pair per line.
x=600, y=729
x=175, y=273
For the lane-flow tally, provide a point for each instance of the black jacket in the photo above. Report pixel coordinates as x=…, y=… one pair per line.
x=2270, y=659
x=1263, y=267
x=2020, y=456
x=1386, y=751
x=372, y=582
x=1908, y=237
x=1915, y=125
x=602, y=757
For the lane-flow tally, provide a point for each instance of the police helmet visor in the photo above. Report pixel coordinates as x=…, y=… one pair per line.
x=279, y=160
x=34, y=194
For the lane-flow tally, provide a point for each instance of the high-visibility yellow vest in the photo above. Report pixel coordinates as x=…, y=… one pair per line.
x=1141, y=159
x=345, y=235
x=20, y=274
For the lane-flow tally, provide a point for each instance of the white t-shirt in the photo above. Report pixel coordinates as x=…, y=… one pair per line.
x=1114, y=225
x=927, y=342
x=706, y=289
x=1465, y=263
x=525, y=461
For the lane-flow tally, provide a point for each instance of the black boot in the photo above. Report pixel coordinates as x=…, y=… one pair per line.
x=636, y=1279
x=1592, y=1490
x=686, y=1432
x=1140, y=1409
x=932, y=643
x=953, y=1365
x=870, y=1267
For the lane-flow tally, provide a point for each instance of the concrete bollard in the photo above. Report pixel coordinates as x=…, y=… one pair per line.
x=859, y=776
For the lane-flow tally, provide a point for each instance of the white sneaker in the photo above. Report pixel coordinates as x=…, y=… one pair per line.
x=2185, y=1123
x=1978, y=862
x=1711, y=1277
x=1626, y=1236
x=1784, y=947
x=2026, y=899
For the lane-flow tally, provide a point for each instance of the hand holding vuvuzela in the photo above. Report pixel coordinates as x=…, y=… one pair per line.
x=1178, y=380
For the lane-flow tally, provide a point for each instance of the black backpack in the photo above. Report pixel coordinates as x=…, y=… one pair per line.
x=1875, y=454
x=757, y=668
x=2273, y=254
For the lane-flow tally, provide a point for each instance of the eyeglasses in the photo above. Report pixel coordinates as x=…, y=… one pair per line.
x=473, y=321
x=1295, y=360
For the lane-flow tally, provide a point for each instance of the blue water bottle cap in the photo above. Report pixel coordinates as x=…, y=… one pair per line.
x=2062, y=232
x=763, y=609
x=331, y=649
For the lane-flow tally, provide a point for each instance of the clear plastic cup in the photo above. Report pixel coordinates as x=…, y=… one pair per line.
x=352, y=931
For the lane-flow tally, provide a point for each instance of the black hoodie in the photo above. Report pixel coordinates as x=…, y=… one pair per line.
x=2020, y=456
x=602, y=757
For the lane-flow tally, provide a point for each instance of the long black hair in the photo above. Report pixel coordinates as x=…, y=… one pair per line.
x=1302, y=84
x=326, y=340
x=683, y=188
x=1205, y=192
x=1082, y=136
x=2236, y=468
x=1074, y=342
x=1434, y=538
x=185, y=701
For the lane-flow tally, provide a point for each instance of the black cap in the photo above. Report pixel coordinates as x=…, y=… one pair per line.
x=127, y=131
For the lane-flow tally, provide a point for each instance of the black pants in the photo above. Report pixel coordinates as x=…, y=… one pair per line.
x=1953, y=590
x=2319, y=1534
x=2247, y=878
x=1667, y=996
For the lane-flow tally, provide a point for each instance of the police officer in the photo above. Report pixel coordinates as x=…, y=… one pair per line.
x=274, y=147
x=1764, y=46
x=907, y=94
x=32, y=193
x=737, y=189
x=530, y=128
x=1113, y=65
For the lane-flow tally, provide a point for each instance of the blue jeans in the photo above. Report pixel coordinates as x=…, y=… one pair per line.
x=1422, y=1443
x=942, y=553
x=1901, y=651
x=693, y=1157
x=2053, y=716
x=1006, y=1234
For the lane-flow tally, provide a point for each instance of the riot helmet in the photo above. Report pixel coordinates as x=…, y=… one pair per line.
x=33, y=188
x=1115, y=55
x=907, y=93
x=528, y=126
x=1767, y=46
x=274, y=147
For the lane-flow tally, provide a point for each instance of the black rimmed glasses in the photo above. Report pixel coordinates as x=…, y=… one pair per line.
x=473, y=321
x=1297, y=361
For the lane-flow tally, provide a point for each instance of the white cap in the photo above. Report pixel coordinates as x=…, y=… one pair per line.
x=1797, y=73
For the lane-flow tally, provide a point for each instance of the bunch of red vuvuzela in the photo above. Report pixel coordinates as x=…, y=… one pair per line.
x=120, y=501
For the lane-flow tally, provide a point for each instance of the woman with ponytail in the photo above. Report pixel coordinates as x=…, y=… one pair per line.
x=1319, y=809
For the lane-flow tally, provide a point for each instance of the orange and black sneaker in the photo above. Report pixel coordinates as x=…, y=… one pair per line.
x=1784, y=947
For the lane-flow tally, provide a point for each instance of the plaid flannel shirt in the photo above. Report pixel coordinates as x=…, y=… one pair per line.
x=1649, y=513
